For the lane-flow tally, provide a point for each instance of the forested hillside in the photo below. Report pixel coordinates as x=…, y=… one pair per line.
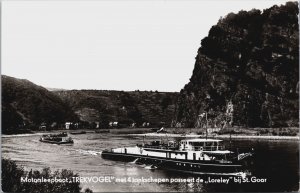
x=26, y=105
x=156, y=108
x=29, y=106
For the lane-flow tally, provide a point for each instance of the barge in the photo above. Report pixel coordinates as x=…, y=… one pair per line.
x=197, y=156
x=78, y=132
x=61, y=138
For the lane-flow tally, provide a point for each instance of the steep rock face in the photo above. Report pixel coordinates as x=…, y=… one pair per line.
x=24, y=103
x=249, y=59
x=156, y=108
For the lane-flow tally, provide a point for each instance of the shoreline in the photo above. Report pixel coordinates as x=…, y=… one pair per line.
x=264, y=137
x=170, y=133
x=269, y=137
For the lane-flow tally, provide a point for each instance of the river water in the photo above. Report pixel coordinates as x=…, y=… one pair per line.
x=276, y=161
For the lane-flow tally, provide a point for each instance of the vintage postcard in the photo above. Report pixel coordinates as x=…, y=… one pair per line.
x=149, y=96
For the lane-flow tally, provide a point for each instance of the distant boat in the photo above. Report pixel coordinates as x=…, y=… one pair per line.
x=161, y=130
x=78, y=132
x=102, y=131
x=61, y=138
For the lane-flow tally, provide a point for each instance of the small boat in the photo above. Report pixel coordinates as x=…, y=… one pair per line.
x=159, y=130
x=102, y=131
x=61, y=138
x=78, y=132
x=197, y=156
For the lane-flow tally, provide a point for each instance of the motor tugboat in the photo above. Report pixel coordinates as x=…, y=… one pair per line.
x=199, y=156
x=61, y=138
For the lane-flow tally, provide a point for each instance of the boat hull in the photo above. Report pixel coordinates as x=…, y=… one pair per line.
x=189, y=166
x=78, y=133
x=57, y=142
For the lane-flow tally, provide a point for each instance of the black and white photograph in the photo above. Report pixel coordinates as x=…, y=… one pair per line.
x=149, y=96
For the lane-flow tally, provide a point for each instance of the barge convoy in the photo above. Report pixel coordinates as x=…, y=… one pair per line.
x=198, y=156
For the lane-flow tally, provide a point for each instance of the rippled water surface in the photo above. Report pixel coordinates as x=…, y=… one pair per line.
x=277, y=161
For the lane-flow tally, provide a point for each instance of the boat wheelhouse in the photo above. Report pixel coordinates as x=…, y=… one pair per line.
x=200, y=144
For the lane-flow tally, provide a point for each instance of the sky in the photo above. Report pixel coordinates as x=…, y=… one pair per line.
x=109, y=45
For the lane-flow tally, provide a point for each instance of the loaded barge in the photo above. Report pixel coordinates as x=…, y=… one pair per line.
x=198, y=156
x=61, y=138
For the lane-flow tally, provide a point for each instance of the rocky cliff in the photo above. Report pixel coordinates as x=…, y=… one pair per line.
x=250, y=60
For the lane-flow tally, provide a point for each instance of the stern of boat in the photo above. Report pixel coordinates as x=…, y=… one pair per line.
x=247, y=161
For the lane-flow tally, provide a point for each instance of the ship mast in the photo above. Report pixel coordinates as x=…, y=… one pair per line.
x=200, y=123
x=229, y=114
x=206, y=123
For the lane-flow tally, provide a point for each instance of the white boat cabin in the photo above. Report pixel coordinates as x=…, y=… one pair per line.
x=200, y=145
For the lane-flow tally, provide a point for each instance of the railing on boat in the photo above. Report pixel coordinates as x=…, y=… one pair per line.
x=193, y=148
x=160, y=147
x=206, y=148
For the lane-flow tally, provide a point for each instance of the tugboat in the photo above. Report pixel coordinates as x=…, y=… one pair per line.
x=61, y=138
x=198, y=156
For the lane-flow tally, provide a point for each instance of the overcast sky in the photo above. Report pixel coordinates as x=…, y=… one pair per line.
x=110, y=45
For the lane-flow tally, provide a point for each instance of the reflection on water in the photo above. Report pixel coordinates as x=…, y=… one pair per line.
x=275, y=160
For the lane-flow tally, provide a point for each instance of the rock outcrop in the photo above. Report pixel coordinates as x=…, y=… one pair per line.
x=249, y=59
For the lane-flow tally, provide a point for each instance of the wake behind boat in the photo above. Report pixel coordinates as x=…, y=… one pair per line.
x=199, y=156
x=61, y=138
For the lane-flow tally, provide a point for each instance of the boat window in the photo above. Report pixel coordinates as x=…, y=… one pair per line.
x=197, y=143
x=209, y=144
